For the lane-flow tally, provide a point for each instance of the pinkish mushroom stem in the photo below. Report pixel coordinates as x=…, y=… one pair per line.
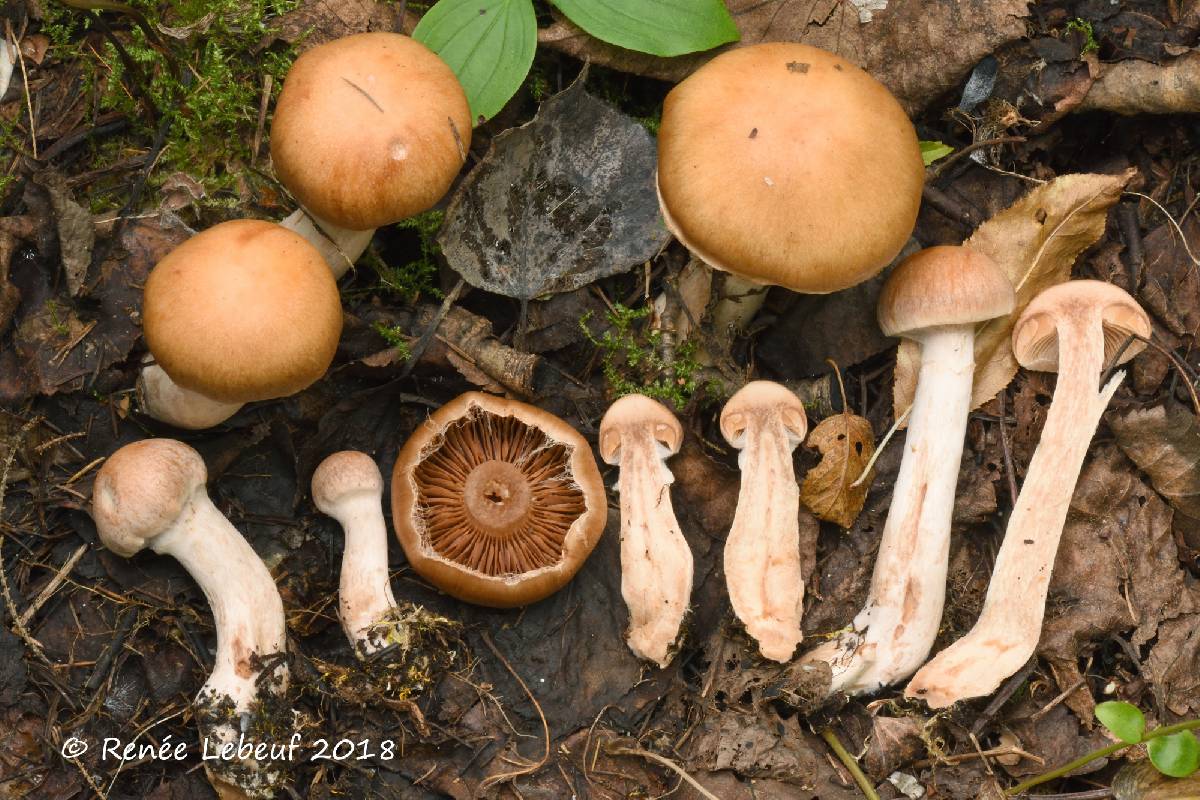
x=639, y=435
x=348, y=487
x=340, y=247
x=1008, y=629
x=762, y=554
x=151, y=494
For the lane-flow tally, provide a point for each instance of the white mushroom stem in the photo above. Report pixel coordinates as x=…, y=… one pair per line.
x=1007, y=632
x=740, y=300
x=893, y=634
x=166, y=401
x=340, y=247
x=656, y=562
x=348, y=487
x=762, y=553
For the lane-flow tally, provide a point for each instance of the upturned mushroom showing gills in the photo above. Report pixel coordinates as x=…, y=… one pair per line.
x=369, y=129
x=639, y=435
x=348, y=487
x=766, y=422
x=244, y=311
x=151, y=494
x=497, y=502
x=787, y=165
x=936, y=297
x=1074, y=329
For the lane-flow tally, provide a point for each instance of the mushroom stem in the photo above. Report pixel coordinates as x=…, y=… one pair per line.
x=740, y=300
x=166, y=401
x=894, y=632
x=762, y=552
x=1008, y=629
x=340, y=247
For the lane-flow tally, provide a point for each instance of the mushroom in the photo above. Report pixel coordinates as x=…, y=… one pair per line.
x=497, y=502
x=935, y=297
x=243, y=311
x=151, y=494
x=766, y=422
x=348, y=487
x=1075, y=329
x=785, y=164
x=369, y=129
x=639, y=435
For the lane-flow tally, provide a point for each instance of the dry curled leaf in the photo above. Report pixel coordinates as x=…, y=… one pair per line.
x=846, y=442
x=1035, y=241
x=1165, y=444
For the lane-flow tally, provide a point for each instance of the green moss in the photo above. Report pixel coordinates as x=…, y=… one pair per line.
x=418, y=276
x=1090, y=45
x=633, y=363
x=396, y=336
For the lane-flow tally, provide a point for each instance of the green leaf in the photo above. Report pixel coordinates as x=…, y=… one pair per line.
x=1177, y=756
x=932, y=151
x=488, y=43
x=1124, y=720
x=658, y=27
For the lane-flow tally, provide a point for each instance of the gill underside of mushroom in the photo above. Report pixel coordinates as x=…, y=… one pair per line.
x=166, y=401
x=656, y=562
x=1009, y=627
x=340, y=247
x=893, y=634
x=243, y=696
x=762, y=553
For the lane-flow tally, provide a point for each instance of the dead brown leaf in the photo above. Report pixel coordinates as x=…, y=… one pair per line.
x=76, y=233
x=919, y=50
x=846, y=442
x=318, y=21
x=1035, y=241
x=1165, y=444
x=1141, y=781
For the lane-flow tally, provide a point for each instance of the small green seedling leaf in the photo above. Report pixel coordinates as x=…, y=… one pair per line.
x=1177, y=756
x=488, y=43
x=1124, y=720
x=658, y=27
x=932, y=151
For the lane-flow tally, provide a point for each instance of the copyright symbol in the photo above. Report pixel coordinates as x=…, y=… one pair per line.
x=74, y=747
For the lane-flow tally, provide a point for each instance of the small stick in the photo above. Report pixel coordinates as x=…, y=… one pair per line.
x=1046, y=709
x=666, y=762
x=1009, y=471
x=849, y=762
x=966, y=151
x=427, y=335
x=535, y=766
x=887, y=437
x=268, y=82
x=52, y=586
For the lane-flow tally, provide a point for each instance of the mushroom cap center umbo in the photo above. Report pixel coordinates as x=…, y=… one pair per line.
x=497, y=496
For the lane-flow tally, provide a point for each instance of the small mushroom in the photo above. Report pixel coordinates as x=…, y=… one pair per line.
x=151, y=494
x=243, y=311
x=368, y=130
x=784, y=164
x=936, y=297
x=639, y=435
x=766, y=422
x=497, y=502
x=1075, y=329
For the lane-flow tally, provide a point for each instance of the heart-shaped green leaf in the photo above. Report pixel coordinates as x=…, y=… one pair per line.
x=1177, y=756
x=658, y=27
x=1124, y=720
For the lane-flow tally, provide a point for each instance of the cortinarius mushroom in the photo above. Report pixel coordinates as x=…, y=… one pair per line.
x=766, y=422
x=244, y=311
x=369, y=129
x=936, y=297
x=151, y=494
x=497, y=502
x=785, y=164
x=1074, y=329
x=639, y=435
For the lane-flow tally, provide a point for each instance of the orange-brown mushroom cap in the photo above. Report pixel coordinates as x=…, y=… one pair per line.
x=370, y=129
x=497, y=502
x=1035, y=335
x=246, y=310
x=789, y=165
x=946, y=285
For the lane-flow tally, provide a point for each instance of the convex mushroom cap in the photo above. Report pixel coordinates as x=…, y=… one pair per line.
x=786, y=164
x=1036, y=334
x=369, y=129
x=942, y=286
x=497, y=502
x=243, y=311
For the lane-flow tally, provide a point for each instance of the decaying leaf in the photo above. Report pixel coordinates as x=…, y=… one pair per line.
x=846, y=442
x=1035, y=241
x=1165, y=444
x=1141, y=781
x=76, y=233
x=917, y=49
x=557, y=203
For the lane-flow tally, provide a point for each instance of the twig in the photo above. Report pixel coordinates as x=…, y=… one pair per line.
x=1002, y=697
x=1189, y=377
x=431, y=329
x=959, y=758
x=949, y=160
x=28, y=98
x=1009, y=471
x=22, y=631
x=1174, y=224
x=666, y=762
x=268, y=81
x=52, y=586
x=1092, y=794
x=849, y=762
x=534, y=766
x=882, y=444
x=1046, y=709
